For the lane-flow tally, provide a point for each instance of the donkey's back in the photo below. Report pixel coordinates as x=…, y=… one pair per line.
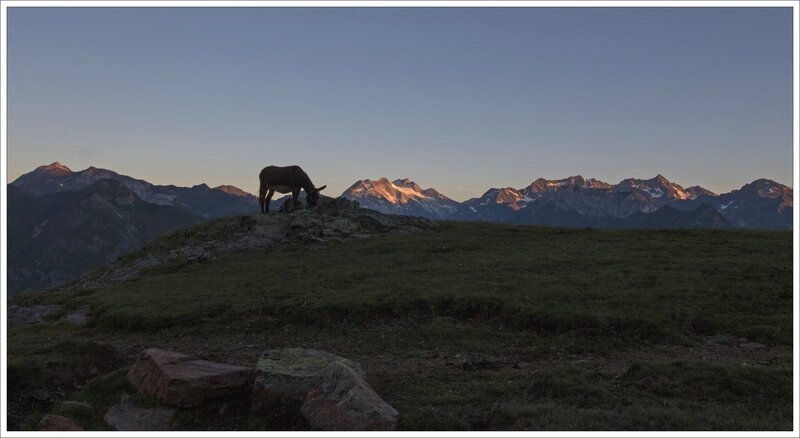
x=288, y=176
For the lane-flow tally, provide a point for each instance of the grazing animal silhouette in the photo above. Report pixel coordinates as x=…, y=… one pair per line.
x=285, y=180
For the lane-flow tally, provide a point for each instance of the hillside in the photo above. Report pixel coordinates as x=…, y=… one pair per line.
x=466, y=326
x=57, y=236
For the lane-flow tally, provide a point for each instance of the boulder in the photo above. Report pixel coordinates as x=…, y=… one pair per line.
x=344, y=401
x=284, y=378
x=57, y=422
x=127, y=416
x=178, y=379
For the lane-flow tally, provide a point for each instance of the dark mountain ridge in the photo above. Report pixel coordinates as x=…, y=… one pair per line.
x=199, y=199
x=56, y=236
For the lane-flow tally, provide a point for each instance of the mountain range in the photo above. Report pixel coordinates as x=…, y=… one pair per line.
x=200, y=200
x=62, y=224
x=587, y=202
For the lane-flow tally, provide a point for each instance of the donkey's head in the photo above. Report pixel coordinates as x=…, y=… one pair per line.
x=313, y=197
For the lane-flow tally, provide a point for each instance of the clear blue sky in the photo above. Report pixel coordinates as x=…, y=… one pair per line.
x=456, y=99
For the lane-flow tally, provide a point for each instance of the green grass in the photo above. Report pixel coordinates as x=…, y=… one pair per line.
x=638, y=284
x=582, y=329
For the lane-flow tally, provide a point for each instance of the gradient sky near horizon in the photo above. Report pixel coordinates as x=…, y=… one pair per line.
x=457, y=99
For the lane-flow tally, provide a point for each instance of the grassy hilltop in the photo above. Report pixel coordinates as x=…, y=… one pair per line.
x=465, y=326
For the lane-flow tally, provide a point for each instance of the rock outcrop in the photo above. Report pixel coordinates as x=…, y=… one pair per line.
x=180, y=380
x=333, y=220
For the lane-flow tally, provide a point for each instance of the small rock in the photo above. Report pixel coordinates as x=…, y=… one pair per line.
x=57, y=423
x=79, y=316
x=127, y=416
x=284, y=377
x=42, y=395
x=177, y=379
x=344, y=401
x=74, y=407
x=752, y=346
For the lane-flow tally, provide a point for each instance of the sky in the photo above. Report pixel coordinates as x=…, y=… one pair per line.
x=460, y=99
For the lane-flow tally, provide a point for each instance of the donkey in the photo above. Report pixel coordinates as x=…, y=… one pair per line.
x=284, y=180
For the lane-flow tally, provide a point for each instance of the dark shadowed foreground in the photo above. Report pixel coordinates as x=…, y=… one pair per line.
x=457, y=325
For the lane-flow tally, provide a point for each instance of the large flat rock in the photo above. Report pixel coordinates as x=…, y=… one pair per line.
x=181, y=380
x=344, y=401
x=284, y=378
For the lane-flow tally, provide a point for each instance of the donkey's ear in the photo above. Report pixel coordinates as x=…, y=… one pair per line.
x=319, y=189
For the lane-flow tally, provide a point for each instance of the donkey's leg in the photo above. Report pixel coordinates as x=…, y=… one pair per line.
x=295, y=195
x=269, y=198
x=262, y=192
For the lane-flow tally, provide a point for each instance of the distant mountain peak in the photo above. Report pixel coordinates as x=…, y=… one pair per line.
x=656, y=188
x=402, y=196
x=55, y=167
x=699, y=191
x=767, y=188
x=572, y=182
x=403, y=181
x=232, y=190
x=407, y=183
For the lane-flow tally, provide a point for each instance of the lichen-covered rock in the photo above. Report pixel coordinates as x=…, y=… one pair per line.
x=127, y=416
x=284, y=377
x=57, y=423
x=344, y=401
x=177, y=379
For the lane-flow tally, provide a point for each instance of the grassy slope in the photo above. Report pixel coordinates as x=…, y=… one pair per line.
x=478, y=326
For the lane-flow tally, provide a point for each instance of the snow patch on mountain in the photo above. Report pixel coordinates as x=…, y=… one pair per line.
x=401, y=196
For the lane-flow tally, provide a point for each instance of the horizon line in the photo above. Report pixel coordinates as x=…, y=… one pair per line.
x=58, y=163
